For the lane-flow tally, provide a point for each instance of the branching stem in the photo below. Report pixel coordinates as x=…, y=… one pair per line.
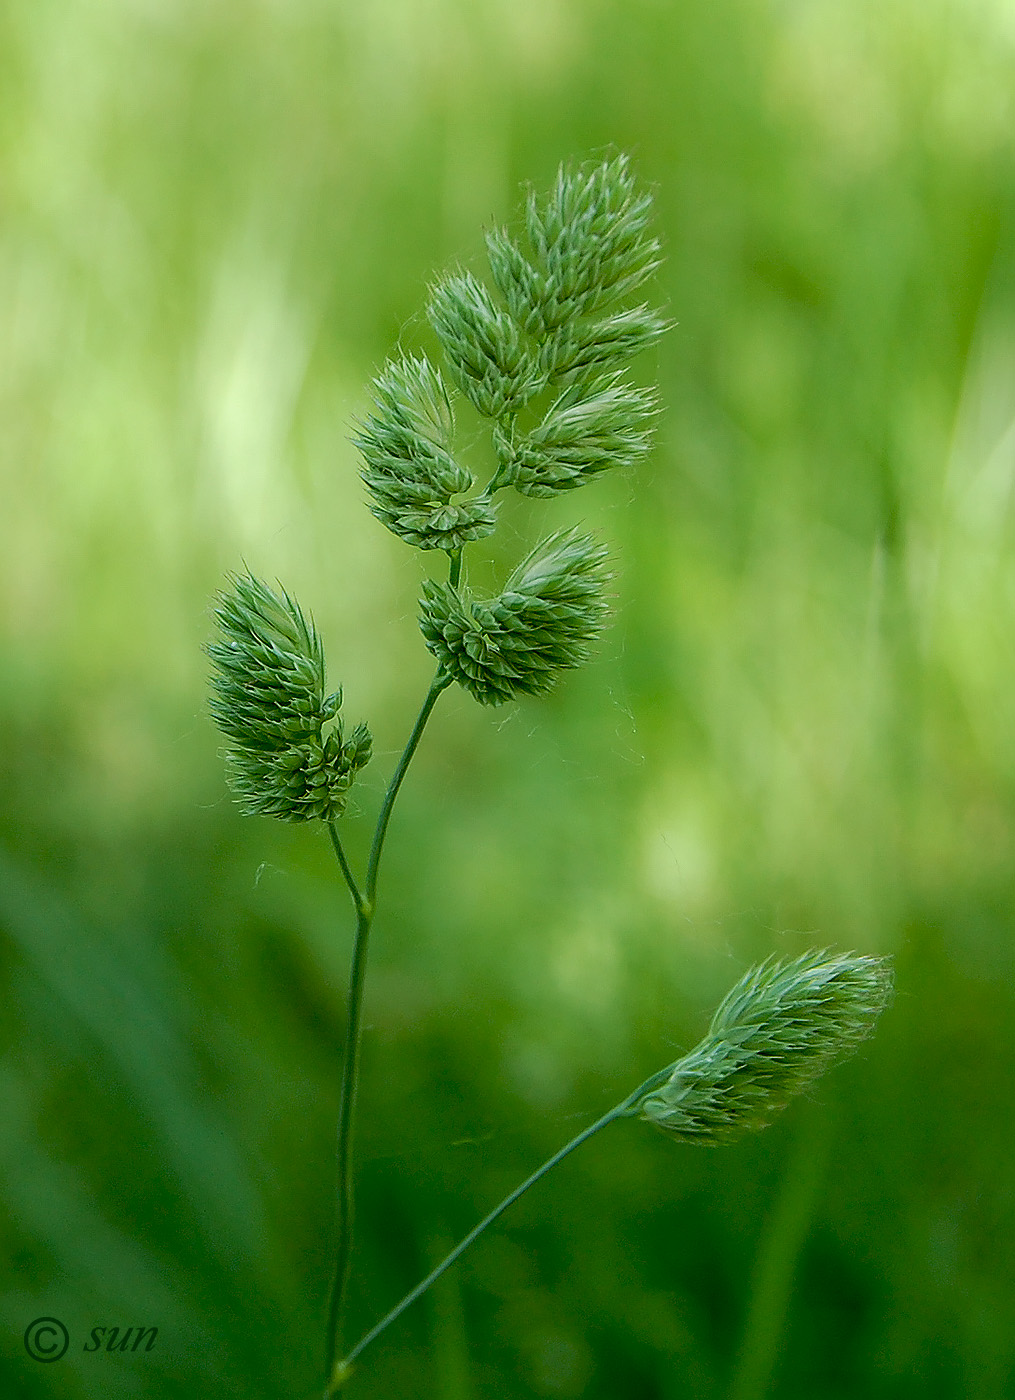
x=365, y=904
x=344, y=1368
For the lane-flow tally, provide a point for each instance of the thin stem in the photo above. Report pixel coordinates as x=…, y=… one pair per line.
x=350, y=879
x=343, y=1368
x=440, y=682
x=365, y=903
x=347, y=1105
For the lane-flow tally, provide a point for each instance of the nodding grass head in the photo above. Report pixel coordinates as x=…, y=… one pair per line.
x=782, y=1025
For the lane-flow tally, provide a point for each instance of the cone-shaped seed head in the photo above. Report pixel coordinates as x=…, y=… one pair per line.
x=782, y=1025
x=409, y=470
x=588, y=249
x=562, y=322
x=285, y=756
x=519, y=642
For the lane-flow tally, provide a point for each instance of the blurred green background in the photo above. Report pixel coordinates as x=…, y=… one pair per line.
x=216, y=219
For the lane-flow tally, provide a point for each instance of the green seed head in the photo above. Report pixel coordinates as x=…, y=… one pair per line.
x=484, y=346
x=560, y=322
x=781, y=1026
x=286, y=756
x=588, y=249
x=588, y=246
x=519, y=642
x=409, y=469
x=576, y=353
x=579, y=437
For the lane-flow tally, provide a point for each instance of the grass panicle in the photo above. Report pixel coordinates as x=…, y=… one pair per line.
x=546, y=364
x=518, y=643
x=782, y=1025
x=410, y=472
x=286, y=755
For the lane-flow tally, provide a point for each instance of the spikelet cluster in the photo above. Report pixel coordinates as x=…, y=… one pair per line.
x=561, y=327
x=781, y=1026
x=286, y=756
x=409, y=469
x=555, y=322
x=579, y=436
x=540, y=625
x=542, y=355
x=587, y=248
x=484, y=346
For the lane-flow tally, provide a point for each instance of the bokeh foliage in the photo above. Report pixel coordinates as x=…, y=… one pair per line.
x=217, y=221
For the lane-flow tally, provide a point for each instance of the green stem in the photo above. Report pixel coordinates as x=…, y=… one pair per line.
x=344, y=1368
x=350, y=879
x=454, y=567
x=350, y=1076
x=440, y=682
x=365, y=904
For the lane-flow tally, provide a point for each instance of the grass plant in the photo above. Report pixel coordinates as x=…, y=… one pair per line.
x=543, y=359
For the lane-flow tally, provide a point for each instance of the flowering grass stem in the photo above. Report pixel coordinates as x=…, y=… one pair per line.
x=785, y=1022
x=544, y=360
x=365, y=904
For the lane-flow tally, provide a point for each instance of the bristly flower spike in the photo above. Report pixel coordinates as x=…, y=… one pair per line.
x=588, y=249
x=484, y=346
x=780, y=1027
x=286, y=756
x=409, y=469
x=580, y=436
x=589, y=245
x=551, y=609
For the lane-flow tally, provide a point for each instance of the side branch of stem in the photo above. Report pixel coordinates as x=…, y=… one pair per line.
x=344, y=1367
x=347, y=1106
x=350, y=879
